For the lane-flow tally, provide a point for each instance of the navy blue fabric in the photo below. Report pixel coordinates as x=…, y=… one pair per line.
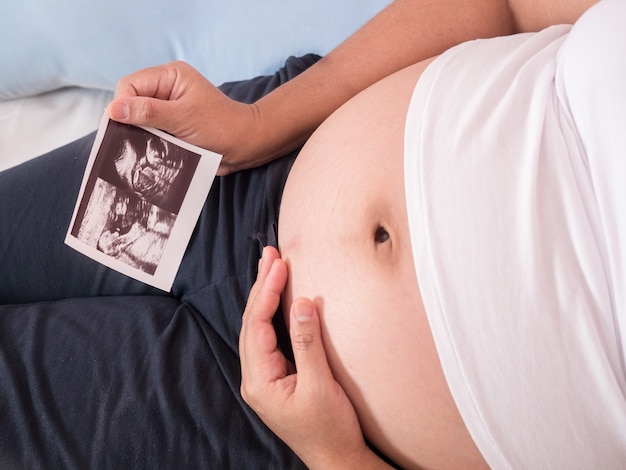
x=100, y=371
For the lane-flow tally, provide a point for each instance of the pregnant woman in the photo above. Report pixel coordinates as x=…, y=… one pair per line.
x=445, y=226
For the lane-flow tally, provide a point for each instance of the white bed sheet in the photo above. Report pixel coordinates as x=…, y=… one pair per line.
x=35, y=125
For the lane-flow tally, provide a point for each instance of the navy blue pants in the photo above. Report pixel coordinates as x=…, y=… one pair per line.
x=100, y=371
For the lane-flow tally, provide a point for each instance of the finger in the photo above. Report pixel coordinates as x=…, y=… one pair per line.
x=265, y=295
x=261, y=360
x=143, y=111
x=257, y=332
x=308, y=348
x=155, y=82
x=268, y=256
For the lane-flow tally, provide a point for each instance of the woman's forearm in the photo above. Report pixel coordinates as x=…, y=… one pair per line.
x=406, y=32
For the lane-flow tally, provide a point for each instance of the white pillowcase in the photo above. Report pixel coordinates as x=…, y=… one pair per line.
x=34, y=125
x=47, y=45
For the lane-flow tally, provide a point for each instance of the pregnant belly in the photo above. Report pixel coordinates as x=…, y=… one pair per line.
x=343, y=231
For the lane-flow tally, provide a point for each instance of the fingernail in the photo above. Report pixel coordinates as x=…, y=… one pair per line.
x=303, y=311
x=263, y=256
x=119, y=111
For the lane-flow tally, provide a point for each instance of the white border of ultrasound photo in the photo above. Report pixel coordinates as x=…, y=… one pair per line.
x=121, y=221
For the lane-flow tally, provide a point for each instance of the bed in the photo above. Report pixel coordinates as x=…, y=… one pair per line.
x=60, y=61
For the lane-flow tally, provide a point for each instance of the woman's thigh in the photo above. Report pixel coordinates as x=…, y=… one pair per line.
x=125, y=382
x=37, y=204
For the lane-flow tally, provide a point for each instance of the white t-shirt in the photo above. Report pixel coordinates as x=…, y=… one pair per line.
x=515, y=166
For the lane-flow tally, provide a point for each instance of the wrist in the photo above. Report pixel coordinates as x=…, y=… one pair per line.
x=362, y=459
x=274, y=133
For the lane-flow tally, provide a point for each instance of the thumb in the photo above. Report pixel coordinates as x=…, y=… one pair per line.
x=306, y=341
x=143, y=111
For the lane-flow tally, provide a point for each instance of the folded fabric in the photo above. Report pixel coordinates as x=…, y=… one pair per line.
x=48, y=45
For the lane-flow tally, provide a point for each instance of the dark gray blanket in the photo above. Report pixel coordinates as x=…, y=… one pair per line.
x=100, y=371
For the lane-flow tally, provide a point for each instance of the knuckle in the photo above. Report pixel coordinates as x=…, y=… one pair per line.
x=303, y=340
x=145, y=111
x=121, y=83
x=122, y=86
x=178, y=68
x=181, y=64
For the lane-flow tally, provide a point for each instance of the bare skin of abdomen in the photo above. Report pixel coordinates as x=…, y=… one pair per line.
x=344, y=233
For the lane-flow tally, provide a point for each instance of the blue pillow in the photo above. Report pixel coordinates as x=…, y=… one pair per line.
x=45, y=45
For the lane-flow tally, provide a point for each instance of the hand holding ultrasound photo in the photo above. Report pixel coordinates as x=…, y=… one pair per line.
x=140, y=198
